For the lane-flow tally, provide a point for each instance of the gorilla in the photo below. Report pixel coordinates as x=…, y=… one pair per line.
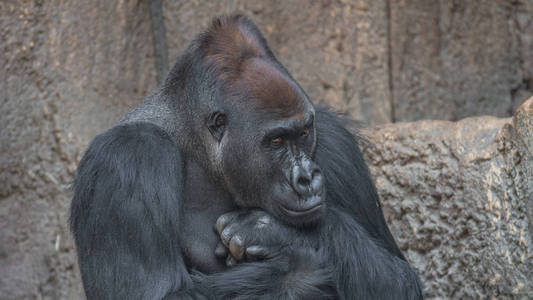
x=228, y=183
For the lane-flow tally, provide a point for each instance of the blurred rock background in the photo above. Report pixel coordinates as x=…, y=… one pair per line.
x=457, y=195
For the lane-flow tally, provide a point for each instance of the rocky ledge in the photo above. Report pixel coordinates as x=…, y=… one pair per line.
x=459, y=199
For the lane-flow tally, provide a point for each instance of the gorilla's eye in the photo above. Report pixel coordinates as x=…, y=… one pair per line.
x=276, y=142
x=305, y=132
x=216, y=124
x=220, y=120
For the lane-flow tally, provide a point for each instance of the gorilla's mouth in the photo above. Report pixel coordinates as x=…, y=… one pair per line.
x=303, y=211
x=295, y=209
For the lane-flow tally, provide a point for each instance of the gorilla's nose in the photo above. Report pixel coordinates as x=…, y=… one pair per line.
x=307, y=179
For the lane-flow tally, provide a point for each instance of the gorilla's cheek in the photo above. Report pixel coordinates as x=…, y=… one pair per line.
x=242, y=177
x=217, y=153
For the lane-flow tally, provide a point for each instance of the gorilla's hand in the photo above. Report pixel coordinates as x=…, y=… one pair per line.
x=249, y=235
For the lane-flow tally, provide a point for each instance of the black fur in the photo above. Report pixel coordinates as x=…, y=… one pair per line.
x=148, y=193
x=125, y=214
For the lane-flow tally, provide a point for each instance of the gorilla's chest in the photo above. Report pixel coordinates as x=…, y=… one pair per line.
x=204, y=203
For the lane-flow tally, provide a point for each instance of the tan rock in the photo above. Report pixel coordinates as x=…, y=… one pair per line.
x=459, y=200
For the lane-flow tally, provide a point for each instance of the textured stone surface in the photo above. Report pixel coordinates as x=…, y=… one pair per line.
x=458, y=198
x=68, y=70
x=454, y=59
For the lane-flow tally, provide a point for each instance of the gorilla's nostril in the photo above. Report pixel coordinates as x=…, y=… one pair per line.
x=303, y=181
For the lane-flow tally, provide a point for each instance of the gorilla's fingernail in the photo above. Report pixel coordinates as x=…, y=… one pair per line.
x=236, y=247
x=255, y=251
x=221, y=250
x=230, y=261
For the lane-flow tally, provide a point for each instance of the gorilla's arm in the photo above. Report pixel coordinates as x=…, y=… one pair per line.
x=125, y=215
x=362, y=267
x=348, y=181
x=298, y=273
x=365, y=258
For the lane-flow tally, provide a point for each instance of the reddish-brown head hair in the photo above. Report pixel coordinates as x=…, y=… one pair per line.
x=236, y=51
x=231, y=41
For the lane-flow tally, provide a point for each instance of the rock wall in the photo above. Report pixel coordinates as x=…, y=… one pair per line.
x=459, y=199
x=68, y=70
x=454, y=59
x=71, y=69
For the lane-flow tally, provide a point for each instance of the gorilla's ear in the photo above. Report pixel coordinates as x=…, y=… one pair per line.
x=217, y=124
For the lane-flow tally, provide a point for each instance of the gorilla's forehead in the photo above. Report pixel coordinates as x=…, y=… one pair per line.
x=267, y=88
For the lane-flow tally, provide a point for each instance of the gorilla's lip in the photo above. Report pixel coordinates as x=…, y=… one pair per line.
x=315, y=205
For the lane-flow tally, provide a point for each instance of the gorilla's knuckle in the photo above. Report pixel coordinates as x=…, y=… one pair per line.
x=226, y=235
x=224, y=220
x=263, y=222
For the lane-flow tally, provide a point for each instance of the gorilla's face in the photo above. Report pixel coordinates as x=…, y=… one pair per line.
x=296, y=192
x=264, y=144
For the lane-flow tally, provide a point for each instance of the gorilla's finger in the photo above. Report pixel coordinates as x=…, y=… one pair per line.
x=230, y=261
x=224, y=220
x=236, y=247
x=257, y=252
x=221, y=250
x=226, y=234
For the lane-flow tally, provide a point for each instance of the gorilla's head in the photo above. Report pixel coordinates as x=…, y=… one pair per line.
x=255, y=124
